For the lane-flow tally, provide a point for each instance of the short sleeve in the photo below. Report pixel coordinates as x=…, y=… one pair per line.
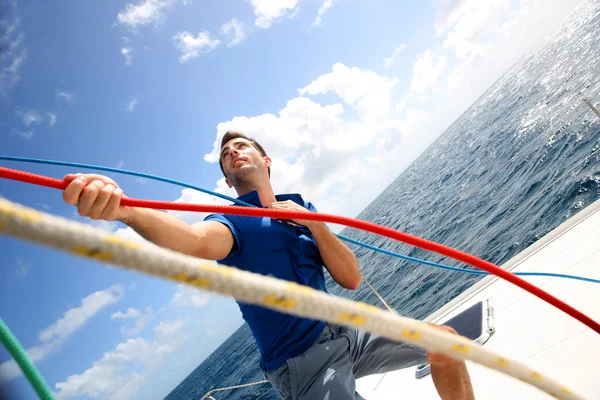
x=235, y=231
x=309, y=206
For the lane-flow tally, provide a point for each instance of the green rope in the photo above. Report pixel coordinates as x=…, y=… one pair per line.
x=29, y=370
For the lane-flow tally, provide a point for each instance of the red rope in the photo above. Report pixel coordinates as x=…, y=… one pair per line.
x=354, y=223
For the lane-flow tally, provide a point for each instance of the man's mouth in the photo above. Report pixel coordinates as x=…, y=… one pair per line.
x=236, y=162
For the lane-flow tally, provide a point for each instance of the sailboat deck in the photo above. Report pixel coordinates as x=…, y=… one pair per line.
x=527, y=329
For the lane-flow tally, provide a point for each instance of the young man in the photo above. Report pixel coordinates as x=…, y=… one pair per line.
x=302, y=358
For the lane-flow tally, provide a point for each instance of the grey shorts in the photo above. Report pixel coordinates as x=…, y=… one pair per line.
x=340, y=355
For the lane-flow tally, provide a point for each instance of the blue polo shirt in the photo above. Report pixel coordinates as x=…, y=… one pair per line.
x=269, y=247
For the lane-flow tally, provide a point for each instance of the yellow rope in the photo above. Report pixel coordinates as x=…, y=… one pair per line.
x=276, y=294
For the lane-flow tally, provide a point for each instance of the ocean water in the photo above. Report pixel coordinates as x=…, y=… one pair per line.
x=522, y=160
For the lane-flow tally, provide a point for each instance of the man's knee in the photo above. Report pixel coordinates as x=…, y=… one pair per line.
x=445, y=328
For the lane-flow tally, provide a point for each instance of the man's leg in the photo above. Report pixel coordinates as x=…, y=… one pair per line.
x=450, y=376
x=322, y=372
x=376, y=355
x=372, y=354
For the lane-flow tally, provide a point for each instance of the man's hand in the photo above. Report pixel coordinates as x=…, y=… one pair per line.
x=289, y=205
x=96, y=196
x=442, y=359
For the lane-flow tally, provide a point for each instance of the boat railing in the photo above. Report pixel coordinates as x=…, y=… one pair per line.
x=208, y=395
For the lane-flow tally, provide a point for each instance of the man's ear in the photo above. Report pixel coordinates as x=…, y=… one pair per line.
x=228, y=183
x=268, y=161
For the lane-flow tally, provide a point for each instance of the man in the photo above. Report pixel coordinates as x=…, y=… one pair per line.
x=302, y=358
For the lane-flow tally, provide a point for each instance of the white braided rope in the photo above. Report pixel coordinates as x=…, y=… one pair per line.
x=208, y=394
x=380, y=297
x=280, y=295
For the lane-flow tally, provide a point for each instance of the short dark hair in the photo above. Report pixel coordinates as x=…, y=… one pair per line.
x=230, y=135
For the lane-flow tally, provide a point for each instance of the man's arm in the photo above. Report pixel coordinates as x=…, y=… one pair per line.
x=209, y=240
x=339, y=260
x=98, y=197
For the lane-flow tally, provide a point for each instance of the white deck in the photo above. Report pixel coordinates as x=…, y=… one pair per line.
x=527, y=328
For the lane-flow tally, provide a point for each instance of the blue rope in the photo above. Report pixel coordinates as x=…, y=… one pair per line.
x=466, y=271
x=122, y=171
x=240, y=202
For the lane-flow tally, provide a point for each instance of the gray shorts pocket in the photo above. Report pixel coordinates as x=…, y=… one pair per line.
x=281, y=380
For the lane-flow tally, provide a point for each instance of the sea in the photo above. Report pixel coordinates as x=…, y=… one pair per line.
x=520, y=161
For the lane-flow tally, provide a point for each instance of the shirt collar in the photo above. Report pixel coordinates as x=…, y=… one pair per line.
x=252, y=198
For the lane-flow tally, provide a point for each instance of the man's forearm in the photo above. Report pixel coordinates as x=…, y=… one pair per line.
x=164, y=230
x=452, y=382
x=337, y=257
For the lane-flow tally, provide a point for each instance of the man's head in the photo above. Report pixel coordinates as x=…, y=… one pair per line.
x=241, y=155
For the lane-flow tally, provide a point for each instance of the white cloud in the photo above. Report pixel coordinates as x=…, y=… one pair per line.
x=368, y=92
x=426, y=71
x=236, y=28
x=146, y=12
x=195, y=197
x=402, y=104
x=326, y=152
x=130, y=313
x=30, y=117
x=466, y=70
x=25, y=135
x=126, y=52
x=169, y=328
x=391, y=60
x=55, y=336
x=322, y=10
x=98, y=223
x=190, y=47
x=11, y=72
x=131, y=105
x=12, y=52
x=187, y=296
x=124, y=371
x=149, y=367
x=109, y=378
x=109, y=226
x=268, y=12
x=75, y=318
x=51, y=119
x=64, y=95
x=141, y=320
x=447, y=15
x=120, y=164
x=474, y=20
x=130, y=234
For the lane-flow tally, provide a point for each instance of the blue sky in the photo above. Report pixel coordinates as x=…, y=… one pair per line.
x=337, y=91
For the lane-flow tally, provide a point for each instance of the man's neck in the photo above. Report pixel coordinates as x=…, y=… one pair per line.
x=265, y=192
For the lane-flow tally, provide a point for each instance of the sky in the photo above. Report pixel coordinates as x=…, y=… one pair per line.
x=343, y=95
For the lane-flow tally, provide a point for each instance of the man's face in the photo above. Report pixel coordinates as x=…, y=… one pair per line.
x=240, y=158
